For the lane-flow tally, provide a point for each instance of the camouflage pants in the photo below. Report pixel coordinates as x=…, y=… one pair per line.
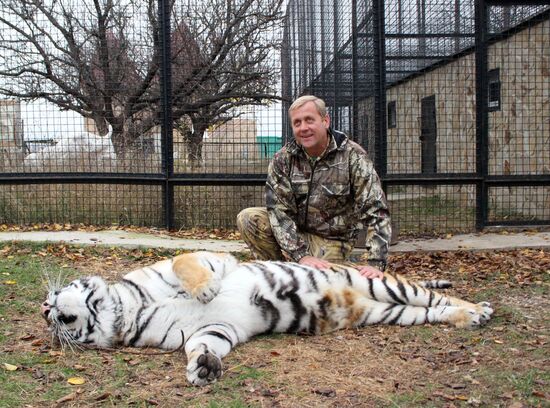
x=255, y=228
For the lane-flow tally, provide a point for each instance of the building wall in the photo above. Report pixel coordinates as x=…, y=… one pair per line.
x=454, y=90
x=519, y=133
x=518, y=144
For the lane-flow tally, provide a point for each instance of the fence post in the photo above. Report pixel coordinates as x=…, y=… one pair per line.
x=380, y=144
x=482, y=117
x=167, y=149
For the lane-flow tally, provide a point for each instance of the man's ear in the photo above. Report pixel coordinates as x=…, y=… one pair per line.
x=327, y=121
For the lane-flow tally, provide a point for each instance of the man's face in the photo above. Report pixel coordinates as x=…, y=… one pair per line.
x=310, y=128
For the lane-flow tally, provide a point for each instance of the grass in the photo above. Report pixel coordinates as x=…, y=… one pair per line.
x=432, y=214
x=502, y=364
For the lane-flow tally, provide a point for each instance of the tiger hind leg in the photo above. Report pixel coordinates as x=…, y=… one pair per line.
x=398, y=290
x=407, y=315
x=200, y=273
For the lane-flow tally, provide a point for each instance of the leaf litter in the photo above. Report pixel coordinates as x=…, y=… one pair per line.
x=374, y=366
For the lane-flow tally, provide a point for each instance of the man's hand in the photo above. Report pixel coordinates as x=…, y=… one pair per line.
x=316, y=263
x=370, y=272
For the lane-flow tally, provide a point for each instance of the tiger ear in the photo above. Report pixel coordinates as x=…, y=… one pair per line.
x=96, y=283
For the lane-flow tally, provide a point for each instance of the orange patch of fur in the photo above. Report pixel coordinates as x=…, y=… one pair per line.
x=354, y=311
x=192, y=274
x=326, y=325
x=461, y=319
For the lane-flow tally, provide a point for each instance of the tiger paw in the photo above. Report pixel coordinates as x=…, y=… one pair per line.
x=467, y=318
x=207, y=292
x=485, y=311
x=204, y=369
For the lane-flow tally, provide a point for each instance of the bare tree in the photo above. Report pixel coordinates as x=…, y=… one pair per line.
x=101, y=58
x=233, y=67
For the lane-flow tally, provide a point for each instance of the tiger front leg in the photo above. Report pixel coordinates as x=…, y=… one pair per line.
x=200, y=273
x=203, y=366
x=205, y=350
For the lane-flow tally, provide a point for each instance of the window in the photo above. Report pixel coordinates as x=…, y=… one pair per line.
x=392, y=115
x=494, y=90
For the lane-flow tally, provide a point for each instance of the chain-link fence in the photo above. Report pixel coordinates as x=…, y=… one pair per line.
x=163, y=113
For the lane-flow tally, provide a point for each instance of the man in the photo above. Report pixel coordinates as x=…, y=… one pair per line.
x=321, y=191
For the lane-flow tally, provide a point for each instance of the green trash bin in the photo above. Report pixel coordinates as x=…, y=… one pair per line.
x=268, y=145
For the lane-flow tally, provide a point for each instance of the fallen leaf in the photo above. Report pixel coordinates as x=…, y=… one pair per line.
x=325, y=392
x=67, y=398
x=76, y=380
x=27, y=337
x=10, y=367
x=103, y=396
x=444, y=396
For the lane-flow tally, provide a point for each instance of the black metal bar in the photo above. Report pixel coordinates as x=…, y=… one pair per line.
x=214, y=181
x=354, y=62
x=166, y=111
x=430, y=35
x=521, y=223
x=236, y=179
x=482, y=117
x=82, y=177
x=25, y=180
x=517, y=2
x=335, y=84
x=439, y=178
x=419, y=57
x=473, y=179
x=380, y=149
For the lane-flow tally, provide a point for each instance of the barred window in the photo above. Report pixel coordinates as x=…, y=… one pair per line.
x=494, y=90
x=392, y=115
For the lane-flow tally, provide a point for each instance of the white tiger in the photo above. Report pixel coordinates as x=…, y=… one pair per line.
x=208, y=303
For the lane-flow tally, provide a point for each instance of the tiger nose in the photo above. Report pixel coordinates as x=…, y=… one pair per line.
x=45, y=309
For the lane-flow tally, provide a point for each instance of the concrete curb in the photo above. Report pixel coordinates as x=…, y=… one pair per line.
x=123, y=239
x=470, y=242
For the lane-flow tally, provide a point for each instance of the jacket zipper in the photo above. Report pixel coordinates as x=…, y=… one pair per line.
x=309, y=191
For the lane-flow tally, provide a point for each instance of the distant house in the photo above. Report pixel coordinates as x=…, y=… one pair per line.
x=11, y=124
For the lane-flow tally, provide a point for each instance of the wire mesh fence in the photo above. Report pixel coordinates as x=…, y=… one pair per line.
x=450, y=99
x=162, y=113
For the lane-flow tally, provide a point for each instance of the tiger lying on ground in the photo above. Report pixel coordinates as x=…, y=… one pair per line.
x=208, y=303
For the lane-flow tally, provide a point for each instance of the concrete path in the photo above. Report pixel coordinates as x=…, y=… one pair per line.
x=132, y=239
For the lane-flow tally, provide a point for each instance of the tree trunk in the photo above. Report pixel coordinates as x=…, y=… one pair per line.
x=194, y=141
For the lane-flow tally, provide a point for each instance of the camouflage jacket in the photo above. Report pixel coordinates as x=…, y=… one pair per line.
x=335, y=197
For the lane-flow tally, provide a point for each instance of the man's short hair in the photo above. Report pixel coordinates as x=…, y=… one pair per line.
x=302, y=100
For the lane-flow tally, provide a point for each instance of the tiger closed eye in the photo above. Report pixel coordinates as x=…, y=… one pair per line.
x=66, y=319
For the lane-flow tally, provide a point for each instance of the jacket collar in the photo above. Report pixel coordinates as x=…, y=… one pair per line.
x=337, y=141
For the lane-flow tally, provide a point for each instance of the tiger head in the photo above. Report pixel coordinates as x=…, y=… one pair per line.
x=80, y=313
